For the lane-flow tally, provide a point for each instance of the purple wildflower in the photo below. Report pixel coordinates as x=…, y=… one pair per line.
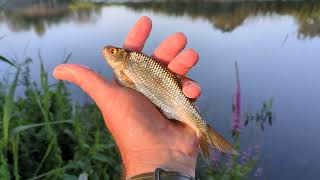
x=259, y=172
x=250, y=154
x=257, y=148
x=229, y=163
x=246, y=156
x=250, y=151
x=237, y=124
x=216, y=157
x=243, y=160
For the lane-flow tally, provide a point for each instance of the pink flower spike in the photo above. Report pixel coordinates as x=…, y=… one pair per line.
x=237, y=124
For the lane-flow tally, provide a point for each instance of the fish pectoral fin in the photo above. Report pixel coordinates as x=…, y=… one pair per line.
x=123, y=79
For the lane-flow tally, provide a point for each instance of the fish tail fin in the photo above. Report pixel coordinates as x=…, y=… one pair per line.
x=209, y=140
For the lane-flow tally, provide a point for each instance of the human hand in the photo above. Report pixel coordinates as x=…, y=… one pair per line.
x=145, y=138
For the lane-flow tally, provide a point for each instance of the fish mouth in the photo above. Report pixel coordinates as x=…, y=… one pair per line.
x=104, y=52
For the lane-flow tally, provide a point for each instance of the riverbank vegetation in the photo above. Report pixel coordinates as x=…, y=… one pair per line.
x=46, y=135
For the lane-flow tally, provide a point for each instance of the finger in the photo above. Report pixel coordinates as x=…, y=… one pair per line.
x=138, y=35
x=184, y=61
x=89, y=81
x=115, y=80
x=170, y=47
x=190, y=88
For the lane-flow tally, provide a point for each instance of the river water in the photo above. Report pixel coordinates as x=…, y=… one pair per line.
x=276, y=46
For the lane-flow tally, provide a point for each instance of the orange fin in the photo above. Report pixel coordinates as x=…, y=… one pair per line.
x=209, y=140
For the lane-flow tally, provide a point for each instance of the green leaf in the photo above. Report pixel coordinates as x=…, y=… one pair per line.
x=7, y=61
x=8, y=108
x=106, y=146
x=44, y=158
x=41, y=176
x=69, y=177
x=67, y=58
x=4, y=172
x=29, y=126
x=102, y=158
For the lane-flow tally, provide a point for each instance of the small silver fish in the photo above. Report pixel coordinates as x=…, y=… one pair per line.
x=162, y=87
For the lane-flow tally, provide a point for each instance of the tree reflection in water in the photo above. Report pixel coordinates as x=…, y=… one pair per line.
x=229, y=16
x=38, y=14
x=21, y=15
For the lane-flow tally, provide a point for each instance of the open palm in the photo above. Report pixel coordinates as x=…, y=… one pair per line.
x=145, y=138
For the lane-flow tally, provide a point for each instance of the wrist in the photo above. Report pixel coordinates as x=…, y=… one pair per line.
x=144, y=161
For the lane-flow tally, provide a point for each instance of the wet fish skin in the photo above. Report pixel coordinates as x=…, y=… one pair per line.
x=144, y=74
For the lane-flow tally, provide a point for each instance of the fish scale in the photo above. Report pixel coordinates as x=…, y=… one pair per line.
x=157, y=83
x=161, y=86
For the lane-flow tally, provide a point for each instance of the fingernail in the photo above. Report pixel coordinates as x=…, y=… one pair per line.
x=187, y=86
x=86, y=67
x=58, y=72
x=191, y=89
x=63, y=73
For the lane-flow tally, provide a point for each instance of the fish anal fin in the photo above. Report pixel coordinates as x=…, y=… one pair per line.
x=205, y=149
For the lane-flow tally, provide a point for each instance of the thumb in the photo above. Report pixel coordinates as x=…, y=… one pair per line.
x=99, y=89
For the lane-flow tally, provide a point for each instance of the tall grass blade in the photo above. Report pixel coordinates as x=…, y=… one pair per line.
x=8, y=108
x=45, y=86
x=41, y=176
x=52, y=142
x=67, y=58
x=15, y=149
x=29, y=126
x=4, y=171
x=6, y=60
x=44, y=103
x=38, y=100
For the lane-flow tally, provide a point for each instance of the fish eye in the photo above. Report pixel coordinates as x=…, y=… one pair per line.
x=113, y=51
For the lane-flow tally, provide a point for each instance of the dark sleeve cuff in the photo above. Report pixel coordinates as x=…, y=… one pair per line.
x=162, y=174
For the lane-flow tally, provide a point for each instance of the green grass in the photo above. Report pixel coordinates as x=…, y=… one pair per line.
x=44, y=135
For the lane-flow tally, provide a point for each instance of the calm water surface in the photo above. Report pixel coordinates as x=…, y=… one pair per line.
x=276, y=46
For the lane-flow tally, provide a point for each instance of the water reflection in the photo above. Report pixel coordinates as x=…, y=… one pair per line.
x=21, y=15
x=229, y=16
x=39, y=14
x=272, y=63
